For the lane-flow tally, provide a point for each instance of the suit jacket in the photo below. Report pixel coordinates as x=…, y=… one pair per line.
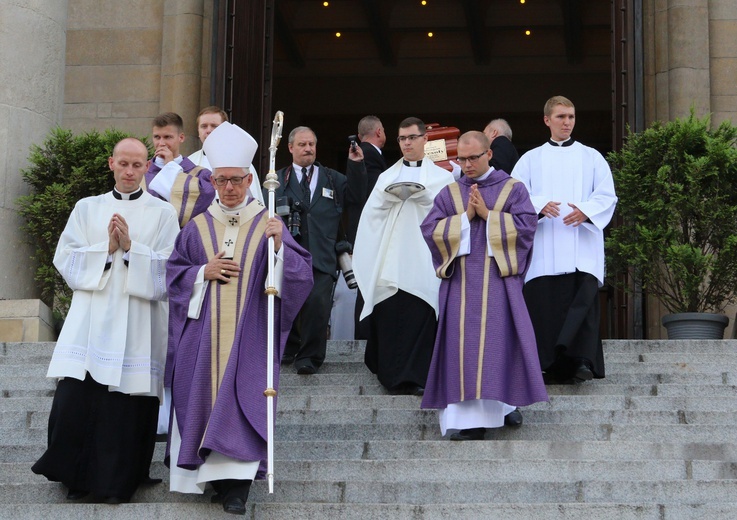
x=375, y=166
x=320, y=228
x=504, y=154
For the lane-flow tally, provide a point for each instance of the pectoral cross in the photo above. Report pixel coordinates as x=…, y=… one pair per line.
x=229, y=242
x=233, y=221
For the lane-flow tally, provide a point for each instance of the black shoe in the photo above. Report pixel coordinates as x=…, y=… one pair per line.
x=287, y=359
x=583, y=372
x=513, y=418
x=418, y=391
x=150, y=481
x=472, y=434
x=76, y=494
x=234, y=505
x=306, y=370
x=217, y=498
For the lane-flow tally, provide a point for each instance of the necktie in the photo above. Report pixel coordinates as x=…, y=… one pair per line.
x=305, y=185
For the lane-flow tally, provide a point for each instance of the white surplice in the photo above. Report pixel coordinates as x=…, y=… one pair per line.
x=574, y=174
x=116, y=328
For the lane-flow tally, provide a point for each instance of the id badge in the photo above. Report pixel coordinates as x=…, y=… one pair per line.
x=327, y=192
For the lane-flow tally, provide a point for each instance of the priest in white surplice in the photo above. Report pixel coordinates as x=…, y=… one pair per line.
x=394, y=268
x=111, y=350
x=207, y=121
x=572, y=190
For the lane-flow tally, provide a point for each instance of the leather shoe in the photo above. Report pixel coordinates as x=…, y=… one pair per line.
x=418, y=391
x=287, y=359
x=76, y=494
x=472, y=434
x=234, y=505
x=306, y=370
x=583, y=372
x=513, y=418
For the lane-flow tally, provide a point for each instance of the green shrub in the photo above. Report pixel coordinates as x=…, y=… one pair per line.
x=65, y=169
x=677, y=188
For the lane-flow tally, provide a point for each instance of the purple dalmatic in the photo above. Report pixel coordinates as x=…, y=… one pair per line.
x=216, y=364
x=191, y=193
x=485, y=346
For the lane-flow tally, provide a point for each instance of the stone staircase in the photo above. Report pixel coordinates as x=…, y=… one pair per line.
x=656, y=439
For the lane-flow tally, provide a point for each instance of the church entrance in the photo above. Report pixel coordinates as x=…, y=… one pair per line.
x=460, y=63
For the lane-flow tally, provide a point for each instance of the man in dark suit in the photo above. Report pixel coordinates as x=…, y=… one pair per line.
x=504, y=154
x=319, y=195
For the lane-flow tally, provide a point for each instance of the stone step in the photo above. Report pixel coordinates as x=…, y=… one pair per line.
x=373, y=511
x=438, y=449
x=462, y=470
x=417, y=491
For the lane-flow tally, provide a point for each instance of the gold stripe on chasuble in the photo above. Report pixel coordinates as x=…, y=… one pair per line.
x=495, y=229
x=484, y=313
x=449, y=253
x=177, y=195
x=462, y=331
x=511, y=243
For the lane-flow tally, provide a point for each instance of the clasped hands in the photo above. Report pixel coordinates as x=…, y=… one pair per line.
x=219, y=268
x=118, y=236
x=574, y=218
x=476, y=205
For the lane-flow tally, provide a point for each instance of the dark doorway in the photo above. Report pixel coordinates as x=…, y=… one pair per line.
x=485, y=59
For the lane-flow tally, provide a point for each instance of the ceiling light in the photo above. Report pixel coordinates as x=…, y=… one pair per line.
x=337, y=35
x=430, y=35
x=424, y=2
x=325, y=4
x=528, y=32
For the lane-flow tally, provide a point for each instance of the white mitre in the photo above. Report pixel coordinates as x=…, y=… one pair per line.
x=229, y=146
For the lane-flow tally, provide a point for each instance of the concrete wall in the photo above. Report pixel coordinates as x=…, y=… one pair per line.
x=129, y=61
x=31, y=94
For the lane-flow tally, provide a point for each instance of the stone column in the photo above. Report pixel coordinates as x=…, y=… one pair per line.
x=32, y=56
x=680, y=67
x=181, y=64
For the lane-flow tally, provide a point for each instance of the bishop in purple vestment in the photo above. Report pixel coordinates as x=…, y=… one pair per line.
x=216, y=364
x=480, y=232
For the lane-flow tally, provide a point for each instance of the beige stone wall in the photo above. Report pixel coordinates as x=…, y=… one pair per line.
x=128, y=61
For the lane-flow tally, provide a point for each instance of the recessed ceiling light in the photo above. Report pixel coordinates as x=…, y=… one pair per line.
x=325, y=4
x=528, y=32
x=337, y=35
x=430, y=35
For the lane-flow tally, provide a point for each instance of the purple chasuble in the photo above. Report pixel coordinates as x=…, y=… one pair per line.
x=191, y=195
x=485, y=346
x=229, y=415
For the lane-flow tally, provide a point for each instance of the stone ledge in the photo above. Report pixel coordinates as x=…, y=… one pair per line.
x=26, y=320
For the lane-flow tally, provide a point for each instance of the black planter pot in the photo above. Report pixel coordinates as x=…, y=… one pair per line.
x=695, y=325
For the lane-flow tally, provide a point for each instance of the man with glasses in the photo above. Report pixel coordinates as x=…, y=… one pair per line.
x=393, y=266
x=480, y=231
x=572, y=190
x=216, y=362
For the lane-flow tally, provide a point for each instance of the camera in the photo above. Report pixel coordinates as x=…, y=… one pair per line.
x=292, y=210
x=352, y=139
x=344, y=249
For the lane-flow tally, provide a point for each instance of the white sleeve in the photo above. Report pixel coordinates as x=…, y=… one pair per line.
x=278, y=270
x=164, y=180
x=488, y=243
x=198, y=295
x=465, y=247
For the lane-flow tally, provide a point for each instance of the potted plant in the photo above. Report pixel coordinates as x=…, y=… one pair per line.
x=677, y=188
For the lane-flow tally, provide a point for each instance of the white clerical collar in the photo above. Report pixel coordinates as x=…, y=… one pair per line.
x=565, y=142
x=127, y=196
x=412, y=164
x=158, y=161
x=485, y=176
x=235, y=210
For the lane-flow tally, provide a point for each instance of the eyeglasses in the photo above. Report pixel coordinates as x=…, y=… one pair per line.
x=470, y=158
x=235, y=181
x=410, y=138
